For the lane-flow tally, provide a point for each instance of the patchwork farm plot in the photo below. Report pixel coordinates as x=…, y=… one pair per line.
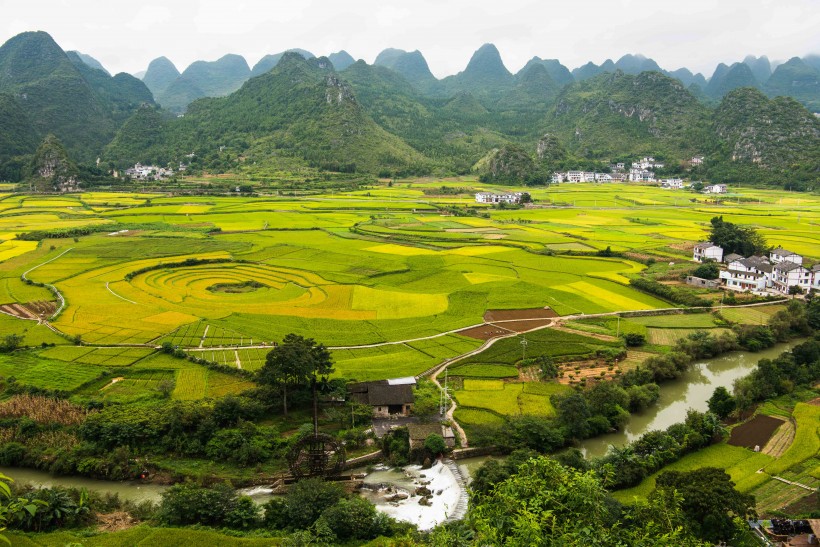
x=781, y=474
x=216, y=275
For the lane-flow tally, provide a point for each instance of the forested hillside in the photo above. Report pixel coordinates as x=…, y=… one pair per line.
x=395, y=118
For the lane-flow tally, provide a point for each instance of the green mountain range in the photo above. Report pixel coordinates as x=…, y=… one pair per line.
x=58, y=93
x=395, y=117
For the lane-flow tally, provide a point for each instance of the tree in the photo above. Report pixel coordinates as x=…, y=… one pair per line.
x=707, y=270
x=634, y=339
x=733, y=238
x=794, y=290
x=10, y=343
x=710, y=501
x=354, y=518
x=294, y=362
x=721, y=402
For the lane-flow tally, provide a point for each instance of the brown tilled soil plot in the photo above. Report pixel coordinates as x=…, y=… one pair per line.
x=511, y=315
x=30, y=310
x=524, y=326
x=484, y=332
x=755, y=432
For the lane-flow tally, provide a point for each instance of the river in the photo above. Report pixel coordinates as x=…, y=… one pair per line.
x=692, y=390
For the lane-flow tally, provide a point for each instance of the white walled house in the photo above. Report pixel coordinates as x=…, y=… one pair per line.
x=715, y=189
x=489, y=197
x=815, y=277
x=575, y=176
x=782, y=255
x=707, y=251
x=641, y=175
x=747, y=274
x=675, y=184
x=697, y=160
x=558, y=177
x=788, y=274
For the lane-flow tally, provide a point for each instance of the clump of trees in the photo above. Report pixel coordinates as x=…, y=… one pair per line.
x=775, y=377
x=734, y=238
x=296, y=362
x=545, y=503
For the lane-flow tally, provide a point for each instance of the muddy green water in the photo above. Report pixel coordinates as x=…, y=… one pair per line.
x=692, y=390
x=127, y=490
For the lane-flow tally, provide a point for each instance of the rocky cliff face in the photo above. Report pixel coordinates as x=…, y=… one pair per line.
x=52, y=170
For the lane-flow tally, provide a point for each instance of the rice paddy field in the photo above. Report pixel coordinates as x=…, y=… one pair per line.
x=225, y=277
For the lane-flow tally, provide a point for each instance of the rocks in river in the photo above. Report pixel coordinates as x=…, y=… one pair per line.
x=423, y=491
x=425, y=500
x=398, y=496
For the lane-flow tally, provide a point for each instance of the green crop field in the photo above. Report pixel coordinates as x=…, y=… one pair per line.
x=806, y=442
x=740, y=463
x=668, y=336
x=216, y=274
x=507, y=399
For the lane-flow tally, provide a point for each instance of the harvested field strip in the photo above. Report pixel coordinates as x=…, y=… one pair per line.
x=511, y=315
x=806, y=442
x=754, y=433
x=780, y=441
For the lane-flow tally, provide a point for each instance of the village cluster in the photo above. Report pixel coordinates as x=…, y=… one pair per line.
x=151, y=172
x=777, y=273
x=639, y=171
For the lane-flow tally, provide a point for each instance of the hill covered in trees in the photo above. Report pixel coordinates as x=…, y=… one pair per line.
x=396, y=118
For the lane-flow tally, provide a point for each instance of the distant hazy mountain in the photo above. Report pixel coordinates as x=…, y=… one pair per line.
x=90, y=61
x=813, y=61
x=267, y=62
x=341, y=59
x=558, y=72
x=220, y=77
x=635, y=64
x=411, y=65
x=725, y=79
x=139, y=74
x=760, y=67
x=205, y=79
x=161, y=73
x=485, y=74
x=797, y=79
x=591, y=69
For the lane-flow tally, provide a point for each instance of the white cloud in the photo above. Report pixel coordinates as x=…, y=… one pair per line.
x=697, y=34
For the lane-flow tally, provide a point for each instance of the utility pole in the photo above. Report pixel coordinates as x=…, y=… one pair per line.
x=524, y=347
x=618, y=331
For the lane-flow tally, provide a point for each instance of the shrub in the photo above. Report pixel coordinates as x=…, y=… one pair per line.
x=353, y=518
x=435, y=444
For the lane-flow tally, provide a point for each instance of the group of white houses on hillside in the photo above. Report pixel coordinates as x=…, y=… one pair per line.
x=779, y=271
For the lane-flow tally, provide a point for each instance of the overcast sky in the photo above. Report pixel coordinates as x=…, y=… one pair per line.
x=698, y=34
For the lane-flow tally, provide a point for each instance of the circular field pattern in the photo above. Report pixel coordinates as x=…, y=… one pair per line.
x=277, y=291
